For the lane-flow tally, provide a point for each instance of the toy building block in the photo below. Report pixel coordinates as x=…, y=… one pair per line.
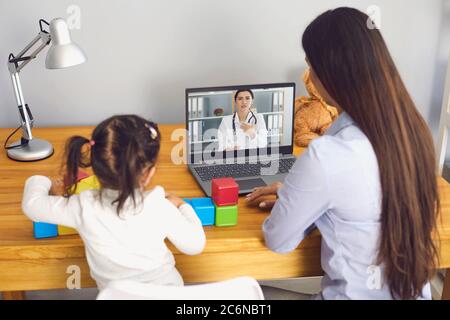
x=187, y=200
x=226, y=216
x=65, y=231
x=204, y=207
x=44, y=230
x=80, y=176
x=89, y=183
x=224, y=191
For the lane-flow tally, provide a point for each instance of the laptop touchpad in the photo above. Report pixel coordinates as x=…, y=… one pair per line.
x=249, y=184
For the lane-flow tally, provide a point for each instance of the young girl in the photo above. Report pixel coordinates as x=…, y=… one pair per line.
x=369, y=184
x=122, y=226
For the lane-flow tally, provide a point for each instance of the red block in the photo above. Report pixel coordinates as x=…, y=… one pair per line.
x=81, y=175
x=225, y=191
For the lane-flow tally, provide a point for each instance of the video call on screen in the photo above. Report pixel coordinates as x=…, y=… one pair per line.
x=216, y=120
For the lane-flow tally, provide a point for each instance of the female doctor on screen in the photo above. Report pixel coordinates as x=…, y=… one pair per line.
x=243, y=129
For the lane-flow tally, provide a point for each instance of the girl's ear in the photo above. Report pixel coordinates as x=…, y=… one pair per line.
x=148, y=175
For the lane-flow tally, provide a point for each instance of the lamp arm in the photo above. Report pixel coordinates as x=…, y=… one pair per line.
x=18, y=62
x=15, y=65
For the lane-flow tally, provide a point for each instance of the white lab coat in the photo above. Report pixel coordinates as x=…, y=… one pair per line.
x=228, y=139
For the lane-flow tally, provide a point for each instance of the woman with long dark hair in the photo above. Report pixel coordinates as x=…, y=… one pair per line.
x=369, y=184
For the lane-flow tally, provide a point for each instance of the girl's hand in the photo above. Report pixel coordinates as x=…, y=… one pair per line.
x=264, y=191
x=57, y=187
x=176, y=201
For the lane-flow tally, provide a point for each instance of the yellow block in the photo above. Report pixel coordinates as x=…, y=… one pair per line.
x=89, y=183
x=64, y=231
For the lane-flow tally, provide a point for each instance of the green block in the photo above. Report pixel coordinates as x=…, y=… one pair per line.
x=226, y=216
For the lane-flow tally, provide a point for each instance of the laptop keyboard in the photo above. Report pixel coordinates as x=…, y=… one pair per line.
x=241, y=170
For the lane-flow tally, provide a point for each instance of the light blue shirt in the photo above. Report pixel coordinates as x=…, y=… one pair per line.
x=335, y=185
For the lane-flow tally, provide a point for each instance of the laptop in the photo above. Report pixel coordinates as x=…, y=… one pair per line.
x=253, y=142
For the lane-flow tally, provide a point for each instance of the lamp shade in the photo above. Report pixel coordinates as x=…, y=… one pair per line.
x=63, y=53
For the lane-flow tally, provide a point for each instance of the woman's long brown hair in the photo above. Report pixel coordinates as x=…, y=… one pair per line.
x=353, y=64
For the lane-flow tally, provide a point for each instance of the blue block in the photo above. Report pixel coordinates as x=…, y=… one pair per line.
x=187, y=200
x=204, y=207
x=44, y=230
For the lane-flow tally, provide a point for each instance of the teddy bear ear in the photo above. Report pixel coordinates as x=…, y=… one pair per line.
x=306, y=74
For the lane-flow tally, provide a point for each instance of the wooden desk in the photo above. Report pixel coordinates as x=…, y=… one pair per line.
x=29, y=264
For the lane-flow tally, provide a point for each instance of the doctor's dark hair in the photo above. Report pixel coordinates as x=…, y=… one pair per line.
x=352, y=62
x=243, y=90
x=122, y=149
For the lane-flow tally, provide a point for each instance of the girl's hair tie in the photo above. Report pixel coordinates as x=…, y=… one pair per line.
x=92, y=143
x=153, y=132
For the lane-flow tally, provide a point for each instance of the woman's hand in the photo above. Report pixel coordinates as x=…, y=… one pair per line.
x=264, y=191
x=249, y=129
x=176, y=201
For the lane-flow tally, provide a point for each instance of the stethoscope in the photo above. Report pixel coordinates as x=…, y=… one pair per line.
x=249, y=121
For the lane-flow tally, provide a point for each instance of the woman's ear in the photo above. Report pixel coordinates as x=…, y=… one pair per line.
x=148, y=175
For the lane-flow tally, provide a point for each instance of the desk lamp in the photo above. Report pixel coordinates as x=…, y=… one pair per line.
x=62, y=53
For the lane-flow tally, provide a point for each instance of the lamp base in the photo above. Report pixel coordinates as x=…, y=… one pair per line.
x=36, y=149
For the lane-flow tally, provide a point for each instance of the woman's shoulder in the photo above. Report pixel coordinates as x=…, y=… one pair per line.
x=228, y=117
x=327, y=149
x=330, y=150
x=260, y=116
x=226, y=120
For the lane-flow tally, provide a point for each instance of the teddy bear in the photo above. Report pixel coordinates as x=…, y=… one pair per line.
x=312, y=115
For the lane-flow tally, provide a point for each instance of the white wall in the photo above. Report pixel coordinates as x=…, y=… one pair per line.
x=143, y=54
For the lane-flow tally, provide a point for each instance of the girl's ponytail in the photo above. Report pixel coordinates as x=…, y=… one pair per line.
x=74, y=159
x=127, y=173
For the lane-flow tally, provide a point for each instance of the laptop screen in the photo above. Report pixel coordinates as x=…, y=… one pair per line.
x=239, y=120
